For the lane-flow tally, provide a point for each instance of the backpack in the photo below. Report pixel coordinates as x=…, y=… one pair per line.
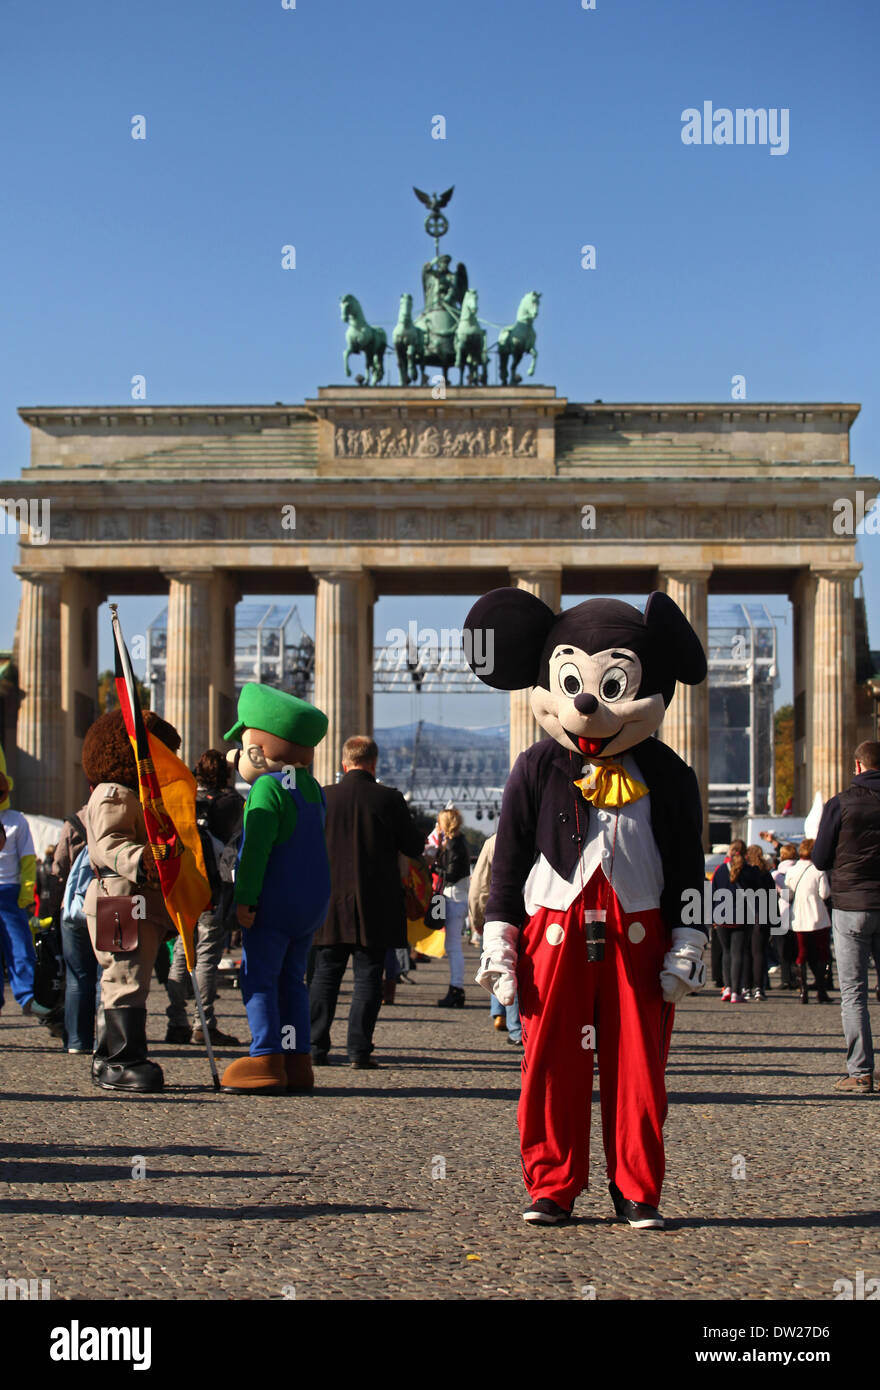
x=229, y=859
x=212, y=848
x=78, y=880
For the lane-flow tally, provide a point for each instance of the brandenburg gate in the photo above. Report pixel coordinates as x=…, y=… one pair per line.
x=371, y=490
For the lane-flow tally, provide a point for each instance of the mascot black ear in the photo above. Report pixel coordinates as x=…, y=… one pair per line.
x=678, y=647
x=504, y=636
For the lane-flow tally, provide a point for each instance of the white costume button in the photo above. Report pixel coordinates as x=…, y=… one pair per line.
x=603, y=815
x=555, y=933
x=635, y=932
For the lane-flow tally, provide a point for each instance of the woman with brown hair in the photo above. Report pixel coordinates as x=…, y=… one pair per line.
x=453, y=864
x=808, y=887
x=760, y=881
x=124, y=866
x=733, y=937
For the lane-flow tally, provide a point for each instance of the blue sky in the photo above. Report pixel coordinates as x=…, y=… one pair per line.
x=267, y=126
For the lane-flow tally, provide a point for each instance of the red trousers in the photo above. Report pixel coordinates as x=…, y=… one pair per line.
x=562, y=997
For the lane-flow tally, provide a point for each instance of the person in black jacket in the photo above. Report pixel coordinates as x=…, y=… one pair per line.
x=848, y=846
x=367, y=826
x=453, y=864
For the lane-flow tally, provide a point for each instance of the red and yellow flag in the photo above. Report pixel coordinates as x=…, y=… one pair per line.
x=168, y=797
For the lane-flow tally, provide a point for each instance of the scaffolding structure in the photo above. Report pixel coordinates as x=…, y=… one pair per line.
x=743, y=676
x=271, y=647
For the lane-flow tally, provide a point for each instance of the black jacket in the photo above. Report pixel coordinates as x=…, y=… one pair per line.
x=368, y=825
x=848, y=844
x=541, y=809
x=453, y=862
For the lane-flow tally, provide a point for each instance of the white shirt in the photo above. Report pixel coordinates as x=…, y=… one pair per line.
x=631, y=862
x=19, y=842
x=807, y=887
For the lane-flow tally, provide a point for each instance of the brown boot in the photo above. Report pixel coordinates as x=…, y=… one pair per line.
x=389, y=989
x=298, y=1066
x=256, y=1075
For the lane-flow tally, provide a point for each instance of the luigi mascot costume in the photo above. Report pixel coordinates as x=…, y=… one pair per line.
x=282, y=885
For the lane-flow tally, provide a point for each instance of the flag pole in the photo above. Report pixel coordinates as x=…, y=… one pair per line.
x=206, y=1033
x=123, y=669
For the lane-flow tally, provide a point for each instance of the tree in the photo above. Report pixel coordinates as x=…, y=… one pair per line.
x=107, y=697
x=783, y=753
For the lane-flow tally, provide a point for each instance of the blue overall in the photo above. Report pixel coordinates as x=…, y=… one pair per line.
x=293, y=903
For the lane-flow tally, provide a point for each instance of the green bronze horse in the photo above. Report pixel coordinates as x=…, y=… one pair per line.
x=470, y=344
x=363, y=337
x=409, y=343
x=519, y=338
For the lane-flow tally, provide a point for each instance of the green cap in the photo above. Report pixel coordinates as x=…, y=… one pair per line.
x=285, y=716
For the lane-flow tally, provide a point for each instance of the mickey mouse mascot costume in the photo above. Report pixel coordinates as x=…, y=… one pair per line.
x=598, y=839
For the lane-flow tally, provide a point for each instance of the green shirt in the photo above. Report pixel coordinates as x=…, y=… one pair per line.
x=270, y=818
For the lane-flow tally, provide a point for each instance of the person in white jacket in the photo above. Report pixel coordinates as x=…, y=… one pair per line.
x=808, y=887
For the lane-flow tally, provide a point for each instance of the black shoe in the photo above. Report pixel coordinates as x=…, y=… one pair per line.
x=124, y=1066
x=364, y=1064
x=453, y=1000
x=638, y=1214
x=546, y=1213
x=178, y=1033
x=320, y=1059
x=514, y=1042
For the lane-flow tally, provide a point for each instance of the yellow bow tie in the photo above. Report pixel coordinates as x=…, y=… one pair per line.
x=610, y=785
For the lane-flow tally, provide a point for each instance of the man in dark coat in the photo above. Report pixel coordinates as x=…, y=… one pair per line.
x=847, y=845
x=368, y=825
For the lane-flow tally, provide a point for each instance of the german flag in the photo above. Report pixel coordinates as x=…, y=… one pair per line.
x=168, y=797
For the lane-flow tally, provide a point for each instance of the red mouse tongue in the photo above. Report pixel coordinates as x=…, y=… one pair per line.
x=590, y=745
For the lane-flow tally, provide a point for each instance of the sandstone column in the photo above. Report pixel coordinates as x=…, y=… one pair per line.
x=224, y=595
x=39, y=781
x=187, y=675
x=343, y=662
x=834, y=681
x=545, y=584
x=686, y=724
x=803, y=599
x=80, y=600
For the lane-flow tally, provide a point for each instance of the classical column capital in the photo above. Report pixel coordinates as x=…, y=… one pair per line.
x=191, y=574
x=838, y=572
x=535, y=574
x=685, y=574
x=45, y=574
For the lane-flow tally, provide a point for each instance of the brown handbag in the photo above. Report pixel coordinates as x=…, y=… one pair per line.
x=116, y=926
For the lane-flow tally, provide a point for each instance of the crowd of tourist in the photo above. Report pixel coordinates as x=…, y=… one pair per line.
x=776, y=909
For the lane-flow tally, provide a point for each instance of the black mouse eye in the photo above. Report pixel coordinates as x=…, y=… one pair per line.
x=613, y=684
x=570, y=679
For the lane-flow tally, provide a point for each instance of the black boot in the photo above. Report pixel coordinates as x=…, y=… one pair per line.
x=454, y=999
x=99, y=1056
x=126, y=1067
x=821, y=991
x=805, y=994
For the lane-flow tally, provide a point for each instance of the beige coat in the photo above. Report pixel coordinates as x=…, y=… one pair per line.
x=478, y=894
x=117, y=835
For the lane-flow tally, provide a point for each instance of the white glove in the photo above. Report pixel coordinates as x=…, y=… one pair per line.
x=497, y=972
x=683, y=969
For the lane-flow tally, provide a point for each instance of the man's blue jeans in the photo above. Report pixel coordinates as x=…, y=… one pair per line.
x=855, y=935
x=511, y=1013
x=81, y=976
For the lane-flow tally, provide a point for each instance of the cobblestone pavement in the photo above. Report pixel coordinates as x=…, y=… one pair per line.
x=337, y=1194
